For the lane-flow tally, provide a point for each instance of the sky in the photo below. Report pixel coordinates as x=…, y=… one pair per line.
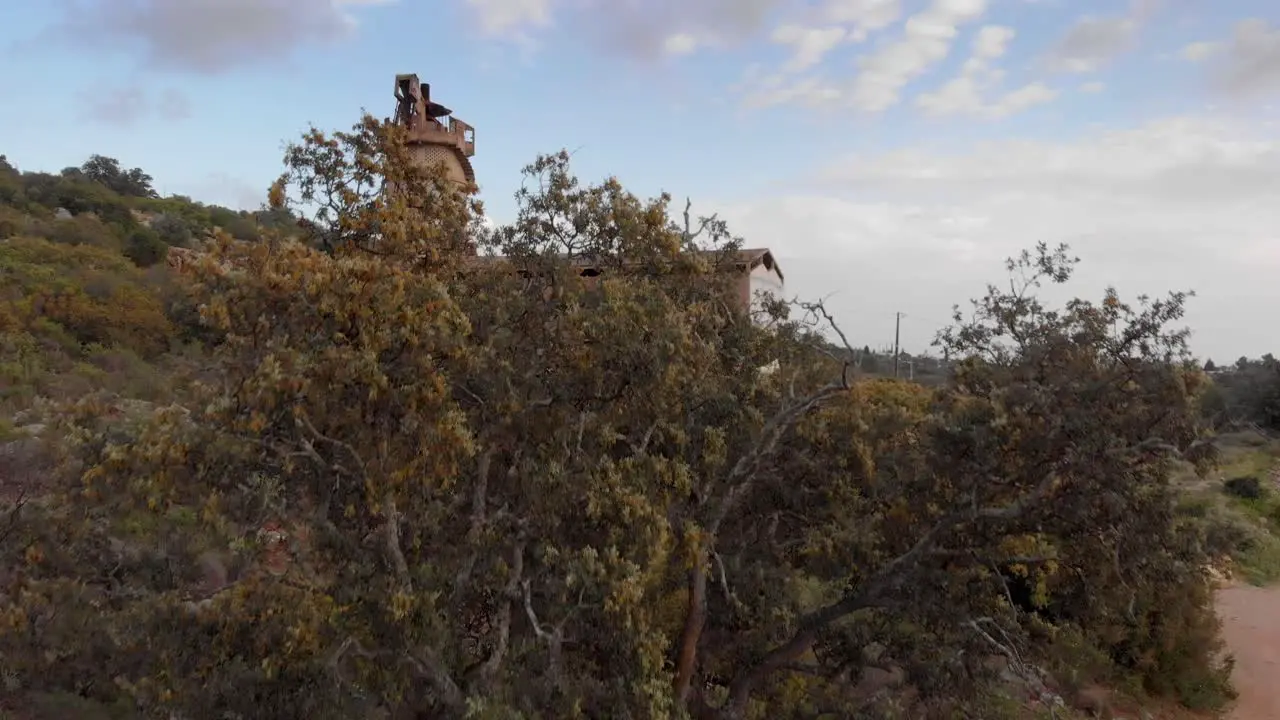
x=890, y=152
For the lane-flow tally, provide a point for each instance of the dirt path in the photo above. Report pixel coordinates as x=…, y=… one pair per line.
x=1251, y=628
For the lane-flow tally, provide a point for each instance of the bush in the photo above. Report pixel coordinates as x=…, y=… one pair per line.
x=13, y=222
x=1246, y=487
x=145, y=247
x=172, y=229
x=80, y=230
x=91, y=294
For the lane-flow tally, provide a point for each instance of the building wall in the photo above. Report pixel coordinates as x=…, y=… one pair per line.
x=762, y=281
x=431, y=154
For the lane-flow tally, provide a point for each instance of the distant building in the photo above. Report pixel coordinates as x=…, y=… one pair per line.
x=434, y=136
x=757, y=275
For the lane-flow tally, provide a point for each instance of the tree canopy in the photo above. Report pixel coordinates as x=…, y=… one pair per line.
x=414, y=481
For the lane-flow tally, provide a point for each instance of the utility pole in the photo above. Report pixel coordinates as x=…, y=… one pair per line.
x=897, y=329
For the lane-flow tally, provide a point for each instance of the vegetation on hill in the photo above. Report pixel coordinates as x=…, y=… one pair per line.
x=1245, y=394
x=374, y=478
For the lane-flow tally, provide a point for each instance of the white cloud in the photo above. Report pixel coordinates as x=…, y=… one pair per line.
x=809, y=45
x=1249, y=66
x=500, y=17
x=967, y=93
x=926, y=41
x=1199, y=51
x=645, y=29
x=680, y=44
x=862, y=17
x=651, y=28
x=1093, y=87
x=763, y=91
x=992, y=42
x=1173, y=204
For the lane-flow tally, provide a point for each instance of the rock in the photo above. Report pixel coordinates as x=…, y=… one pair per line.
x=871, y=652
x=876, y=680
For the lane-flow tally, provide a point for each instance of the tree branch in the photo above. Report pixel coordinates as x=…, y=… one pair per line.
x=511, y=594
x=391, y=530
x=878, y=588
x=554, y=636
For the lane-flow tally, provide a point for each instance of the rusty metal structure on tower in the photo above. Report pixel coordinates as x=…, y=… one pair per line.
x=434, y=136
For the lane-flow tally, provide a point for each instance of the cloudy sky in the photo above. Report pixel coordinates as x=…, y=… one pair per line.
x=891, y=152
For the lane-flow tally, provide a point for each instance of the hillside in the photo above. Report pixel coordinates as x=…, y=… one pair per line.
x=338, y=471
x=83, y=306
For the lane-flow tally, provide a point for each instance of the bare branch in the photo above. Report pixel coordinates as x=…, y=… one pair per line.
x=820, y=310
x=724, y=584
x=745, y=471
x=553, y=636
x=426, y=663
x=1026, y=672
x=305, y=422
x=642, y=447
x=690, y=234
x=391, y=530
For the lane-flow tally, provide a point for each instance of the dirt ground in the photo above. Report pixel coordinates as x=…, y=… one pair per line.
x=1251, y=628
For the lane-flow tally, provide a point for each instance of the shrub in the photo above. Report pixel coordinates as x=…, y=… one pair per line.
x=172, y=230
x=1245, y=487
x=145, y=247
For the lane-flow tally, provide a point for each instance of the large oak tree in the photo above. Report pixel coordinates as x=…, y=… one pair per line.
x=418, y=481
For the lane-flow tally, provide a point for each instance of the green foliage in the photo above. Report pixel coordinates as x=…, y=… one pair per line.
x=172, y=230
x=74, y=320
x=1245, y=528
x=145, y=247
x=398, y=477
x=1247, y=393
x=77, y=195
x=80, y=230
x=94, y=295
x=108, y=173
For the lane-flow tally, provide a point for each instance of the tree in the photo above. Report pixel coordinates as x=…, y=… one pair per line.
x=107, y=171
x=419, y=481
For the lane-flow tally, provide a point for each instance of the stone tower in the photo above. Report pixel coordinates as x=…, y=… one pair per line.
x=434, y=136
